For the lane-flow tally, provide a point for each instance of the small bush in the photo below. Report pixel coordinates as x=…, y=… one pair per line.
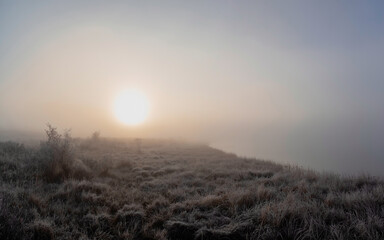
x=59, y=155
x=96, y=136
x=92, y=143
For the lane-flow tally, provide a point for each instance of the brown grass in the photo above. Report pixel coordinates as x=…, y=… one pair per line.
x=174, y=190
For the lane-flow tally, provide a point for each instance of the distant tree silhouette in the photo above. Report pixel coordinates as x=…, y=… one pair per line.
x=96, y=136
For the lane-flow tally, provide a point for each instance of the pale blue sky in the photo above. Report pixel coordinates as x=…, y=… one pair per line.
x=291, y=72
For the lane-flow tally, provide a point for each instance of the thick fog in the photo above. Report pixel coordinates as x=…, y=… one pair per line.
x=300, y=85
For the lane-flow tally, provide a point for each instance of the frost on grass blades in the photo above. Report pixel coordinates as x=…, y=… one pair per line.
x=149, y=87
x=100, y=188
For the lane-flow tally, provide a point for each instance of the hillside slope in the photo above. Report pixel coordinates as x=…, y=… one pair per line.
x=126, y=189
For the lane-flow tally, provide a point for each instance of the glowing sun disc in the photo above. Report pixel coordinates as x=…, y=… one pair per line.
x=131, y=107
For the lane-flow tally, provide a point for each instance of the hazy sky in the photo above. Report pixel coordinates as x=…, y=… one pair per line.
x=295, y=81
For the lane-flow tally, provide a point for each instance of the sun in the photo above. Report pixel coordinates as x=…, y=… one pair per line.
x=131, y=107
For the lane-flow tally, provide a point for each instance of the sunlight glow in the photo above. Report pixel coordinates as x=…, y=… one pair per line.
x=131, y=107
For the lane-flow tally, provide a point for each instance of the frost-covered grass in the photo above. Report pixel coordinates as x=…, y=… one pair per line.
x=173, y=190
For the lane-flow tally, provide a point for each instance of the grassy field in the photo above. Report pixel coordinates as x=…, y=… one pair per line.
x=100, y=188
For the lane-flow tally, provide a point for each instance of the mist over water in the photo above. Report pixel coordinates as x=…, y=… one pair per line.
x=348, y=150
x=122, y=119
x=345, y=149
x=295, y=83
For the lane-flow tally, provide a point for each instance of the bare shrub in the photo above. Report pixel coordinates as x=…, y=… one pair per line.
x=59, y=155
x=91, y=143
x=96, y=136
